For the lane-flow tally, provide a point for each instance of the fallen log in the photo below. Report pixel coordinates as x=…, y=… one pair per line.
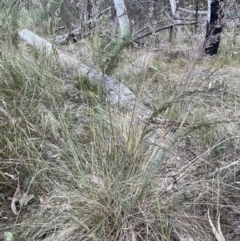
x=116, y=92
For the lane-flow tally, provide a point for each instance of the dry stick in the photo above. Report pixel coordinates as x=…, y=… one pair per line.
x=143, y=29
x=192, y=11
x=188, y=19
x=160, y=29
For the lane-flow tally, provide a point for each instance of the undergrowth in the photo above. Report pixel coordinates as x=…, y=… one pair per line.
x=83, y=167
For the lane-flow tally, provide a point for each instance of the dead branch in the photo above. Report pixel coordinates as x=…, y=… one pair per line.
x=60, y=28
x=160, y=29
x=192, y=11
x=149, y=27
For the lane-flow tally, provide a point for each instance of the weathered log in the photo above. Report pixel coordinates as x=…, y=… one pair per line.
x=34, y=40
x=116, y=92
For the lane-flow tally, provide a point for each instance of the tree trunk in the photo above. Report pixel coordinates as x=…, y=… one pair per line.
x=173, y=7
x=214, y=26
x=175, y=14
x=196, y=15
x=122, y=18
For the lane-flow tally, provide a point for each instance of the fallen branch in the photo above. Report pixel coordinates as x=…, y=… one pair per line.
x=160, y=29
x=192, y=11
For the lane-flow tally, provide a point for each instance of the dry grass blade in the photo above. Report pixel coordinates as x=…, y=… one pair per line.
x=218, y=233
x=15, y=199
x=9, y=175
x=133, y=236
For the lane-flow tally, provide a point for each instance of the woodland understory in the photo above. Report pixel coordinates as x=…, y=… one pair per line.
x=114, y=133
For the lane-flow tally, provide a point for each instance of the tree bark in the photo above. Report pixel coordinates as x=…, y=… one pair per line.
x=122, y=18
x=214, y=26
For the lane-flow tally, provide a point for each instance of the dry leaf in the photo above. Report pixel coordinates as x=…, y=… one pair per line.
x=218, y=233
x=15, y=195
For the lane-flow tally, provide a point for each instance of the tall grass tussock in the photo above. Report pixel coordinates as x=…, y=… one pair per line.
x=75, y=167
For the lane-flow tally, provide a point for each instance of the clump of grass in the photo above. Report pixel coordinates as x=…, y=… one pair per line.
x=9, y=22
x=87, y=162
x=97, y=169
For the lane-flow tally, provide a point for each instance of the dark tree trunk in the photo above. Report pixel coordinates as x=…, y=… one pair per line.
x=196, y=16
x=214, y=27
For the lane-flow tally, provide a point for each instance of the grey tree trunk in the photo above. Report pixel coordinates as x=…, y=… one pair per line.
x=122, y=18
x=176, y=16
x=173, y=7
